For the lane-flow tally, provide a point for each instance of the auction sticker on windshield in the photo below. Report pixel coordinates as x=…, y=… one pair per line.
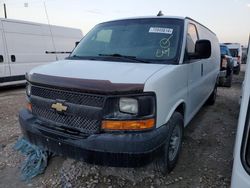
x=160, y=30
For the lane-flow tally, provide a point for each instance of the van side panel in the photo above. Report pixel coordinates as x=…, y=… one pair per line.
x=211, y=67
x=240, y=176
x=60, y=39
x=202, y=74
x=27, y=44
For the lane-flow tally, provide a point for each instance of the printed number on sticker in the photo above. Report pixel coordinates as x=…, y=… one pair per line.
x=160, y=30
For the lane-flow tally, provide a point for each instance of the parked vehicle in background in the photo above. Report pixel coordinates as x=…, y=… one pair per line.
x=241, y=166
x=244, y=55
x=226, y=67
x=236, y=52
x=126, y=92
x=25, y=45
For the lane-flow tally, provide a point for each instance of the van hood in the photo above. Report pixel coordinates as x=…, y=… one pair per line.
x=92, y=75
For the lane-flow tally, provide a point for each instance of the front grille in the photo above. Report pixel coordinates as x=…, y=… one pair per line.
x=83, y=113
x=69, y=96
x=78, y=123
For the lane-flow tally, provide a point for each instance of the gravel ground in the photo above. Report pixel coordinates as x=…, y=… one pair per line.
x=205, y=161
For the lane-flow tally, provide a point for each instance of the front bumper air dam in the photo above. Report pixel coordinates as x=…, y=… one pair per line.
x=111, y=149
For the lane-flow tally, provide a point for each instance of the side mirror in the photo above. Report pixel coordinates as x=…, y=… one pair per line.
x=202, y=49
x=76, y=43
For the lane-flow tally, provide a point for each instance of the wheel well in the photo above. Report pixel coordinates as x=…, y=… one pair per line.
x=181, y=109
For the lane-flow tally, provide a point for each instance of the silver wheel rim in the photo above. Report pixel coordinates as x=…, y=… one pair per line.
x=174, y=144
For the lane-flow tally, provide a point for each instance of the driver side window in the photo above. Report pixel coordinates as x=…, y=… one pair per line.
x=192, y=37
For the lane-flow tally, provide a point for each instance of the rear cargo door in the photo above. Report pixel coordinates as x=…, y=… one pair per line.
x=4, y=66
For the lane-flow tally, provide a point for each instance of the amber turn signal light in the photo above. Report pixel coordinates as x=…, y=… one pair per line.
x=128, y=125
x=29, y=106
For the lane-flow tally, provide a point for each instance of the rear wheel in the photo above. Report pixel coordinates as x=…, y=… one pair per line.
x=172, y=147
x=229, y=80
x=237, y=71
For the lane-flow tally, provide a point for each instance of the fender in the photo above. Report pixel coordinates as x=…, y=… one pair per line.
x=173, y=110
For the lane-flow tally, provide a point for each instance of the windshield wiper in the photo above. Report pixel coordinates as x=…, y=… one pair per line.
x=77, y=57
x=74, y=57
x=133, y=58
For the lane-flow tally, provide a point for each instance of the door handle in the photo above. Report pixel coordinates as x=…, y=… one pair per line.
x=13, y=58
x=202, y=70
x=1, y=59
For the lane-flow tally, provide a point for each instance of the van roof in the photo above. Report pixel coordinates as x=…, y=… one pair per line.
x=233, y=45
x=148, y=17
x=33, y=23
x=229, y=43
x=162, y=17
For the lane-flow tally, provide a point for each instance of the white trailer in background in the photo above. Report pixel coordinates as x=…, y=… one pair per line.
x=25, y=45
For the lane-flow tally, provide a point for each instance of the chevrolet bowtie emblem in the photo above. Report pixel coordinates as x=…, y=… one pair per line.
x=59, y=107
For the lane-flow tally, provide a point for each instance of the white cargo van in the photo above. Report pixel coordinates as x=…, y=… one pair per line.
x=241, y=166
x=24, y=45
x=126, y=92
x=236, y=52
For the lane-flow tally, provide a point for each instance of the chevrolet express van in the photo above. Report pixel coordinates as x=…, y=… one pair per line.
x=125, y=94
x=25, y=45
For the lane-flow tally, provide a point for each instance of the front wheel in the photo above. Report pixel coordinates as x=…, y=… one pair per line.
x=172, y=147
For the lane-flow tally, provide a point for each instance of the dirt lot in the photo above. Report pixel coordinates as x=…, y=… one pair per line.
x=205, y=161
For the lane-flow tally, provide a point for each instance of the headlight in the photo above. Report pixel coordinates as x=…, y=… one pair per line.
x=28, y=89
x=130, y=113
x=128, y=105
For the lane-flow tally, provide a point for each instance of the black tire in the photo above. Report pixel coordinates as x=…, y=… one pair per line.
x=168, y=158
x=237, y=71
x=229, y=80
x=212, y=98
x=221, y=81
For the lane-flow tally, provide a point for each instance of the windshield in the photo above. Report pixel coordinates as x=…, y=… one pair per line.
x=150, y=40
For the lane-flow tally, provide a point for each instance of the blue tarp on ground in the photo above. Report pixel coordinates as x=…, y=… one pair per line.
x=36, y=159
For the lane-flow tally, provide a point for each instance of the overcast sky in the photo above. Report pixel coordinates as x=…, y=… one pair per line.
x=229, y=19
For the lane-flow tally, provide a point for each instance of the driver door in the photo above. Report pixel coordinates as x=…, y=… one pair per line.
x=195, y=73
